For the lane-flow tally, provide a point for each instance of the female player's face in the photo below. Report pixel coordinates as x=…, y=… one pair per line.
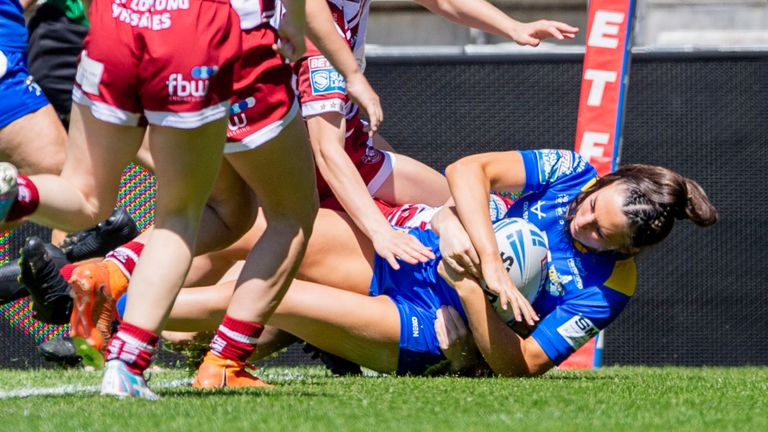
x=599, y=223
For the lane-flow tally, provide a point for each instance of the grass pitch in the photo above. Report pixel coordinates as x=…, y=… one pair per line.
x=609, y=399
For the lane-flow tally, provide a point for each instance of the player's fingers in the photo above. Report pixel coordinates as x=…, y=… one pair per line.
x=440, y=329
x=375, y=117
x=526, y=309
x=555, y=32
x=392, y=261
x=457, y=267
x=455, y=323
x=565, y=28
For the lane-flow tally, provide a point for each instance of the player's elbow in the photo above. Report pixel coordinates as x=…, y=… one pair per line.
x=532, y=362
x=462, y=168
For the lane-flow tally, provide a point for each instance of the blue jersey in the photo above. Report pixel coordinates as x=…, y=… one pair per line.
x=13, y=30
x=584, y=291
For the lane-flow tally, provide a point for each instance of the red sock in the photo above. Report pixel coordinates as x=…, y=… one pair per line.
x=27, y=199
x=66, y=271
x=235, y=339
x=133, y=346
x=126, y=257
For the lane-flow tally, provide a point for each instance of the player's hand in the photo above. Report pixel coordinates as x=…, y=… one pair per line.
x=534, y=32
x=455, y=339
x=455, y=245
x=458, y=251
x=361, y=92
x=498, y=282
x=291, y=44
x=392, y=245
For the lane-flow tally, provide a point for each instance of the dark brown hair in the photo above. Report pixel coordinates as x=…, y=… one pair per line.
x=656, y=197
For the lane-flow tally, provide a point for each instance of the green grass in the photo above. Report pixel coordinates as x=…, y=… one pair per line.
x=610, y=399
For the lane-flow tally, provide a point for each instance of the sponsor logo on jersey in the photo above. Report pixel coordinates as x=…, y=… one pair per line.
x=554, y=164
x=536, y=209
x=148, y=14
x=32, y=86
x=324, y=78
x=577, y=271
x=577, y=331
x=554, y=283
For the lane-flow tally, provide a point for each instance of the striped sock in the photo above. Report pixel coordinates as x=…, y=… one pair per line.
x=126, y=257
x=235, y=339
x=27, y=200
x=133, y=346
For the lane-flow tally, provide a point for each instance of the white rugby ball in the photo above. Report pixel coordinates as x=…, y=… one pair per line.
x=524, y=250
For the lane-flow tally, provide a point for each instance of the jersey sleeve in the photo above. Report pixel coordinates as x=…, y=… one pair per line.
x=546, y=169
x=585, y=312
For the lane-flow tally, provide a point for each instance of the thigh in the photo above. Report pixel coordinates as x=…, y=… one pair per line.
x=23, y=141
x=338, y=254
x=230, y=212
x=365, y=330
x=187, y=162
x=413, y=182
x=281, y=173
x=97, y=153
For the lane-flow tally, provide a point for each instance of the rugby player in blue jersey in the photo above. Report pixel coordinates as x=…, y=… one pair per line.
x=408, y=320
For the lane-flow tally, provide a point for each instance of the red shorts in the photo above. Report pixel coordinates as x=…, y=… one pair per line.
x=408, y=215
x=264, y=101
x=375, y=167
x=166, y=62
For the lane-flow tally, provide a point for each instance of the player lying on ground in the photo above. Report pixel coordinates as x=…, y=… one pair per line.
x=383, y=318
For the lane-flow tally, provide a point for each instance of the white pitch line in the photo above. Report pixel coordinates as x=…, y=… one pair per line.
x=73, y=389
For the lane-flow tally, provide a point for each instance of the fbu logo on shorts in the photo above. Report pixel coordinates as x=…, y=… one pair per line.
x=196, y=88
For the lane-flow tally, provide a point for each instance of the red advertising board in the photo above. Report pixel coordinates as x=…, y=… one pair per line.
x=604, y=82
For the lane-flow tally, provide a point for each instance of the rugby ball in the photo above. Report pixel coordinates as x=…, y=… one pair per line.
x=523, y=248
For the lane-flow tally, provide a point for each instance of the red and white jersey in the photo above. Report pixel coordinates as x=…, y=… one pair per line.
x=356, y=19
x=351, y=17
x=253, y=13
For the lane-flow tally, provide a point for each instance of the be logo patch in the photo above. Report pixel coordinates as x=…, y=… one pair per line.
x=324, y=78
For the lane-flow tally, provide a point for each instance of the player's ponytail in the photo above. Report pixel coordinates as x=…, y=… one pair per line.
x=657, y=196
x=698, y=208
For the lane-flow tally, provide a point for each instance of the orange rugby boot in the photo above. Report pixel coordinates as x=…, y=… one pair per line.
x=95, y=287
x=217, y=372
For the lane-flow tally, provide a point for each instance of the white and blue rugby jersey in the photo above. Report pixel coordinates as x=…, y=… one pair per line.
x=585, y=291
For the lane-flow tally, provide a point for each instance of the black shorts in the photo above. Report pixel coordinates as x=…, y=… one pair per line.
x=54, y=47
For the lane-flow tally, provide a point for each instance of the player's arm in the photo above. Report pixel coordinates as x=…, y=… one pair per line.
x=326, y=133
x=484, y=16
x=321, y=30
x=471, y=179
x=505, y=352
x=292, y=30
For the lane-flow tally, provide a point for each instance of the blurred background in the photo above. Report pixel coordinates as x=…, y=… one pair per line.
x=659, y=23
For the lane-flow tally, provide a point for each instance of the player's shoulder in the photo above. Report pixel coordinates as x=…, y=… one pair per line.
x=552, y=165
